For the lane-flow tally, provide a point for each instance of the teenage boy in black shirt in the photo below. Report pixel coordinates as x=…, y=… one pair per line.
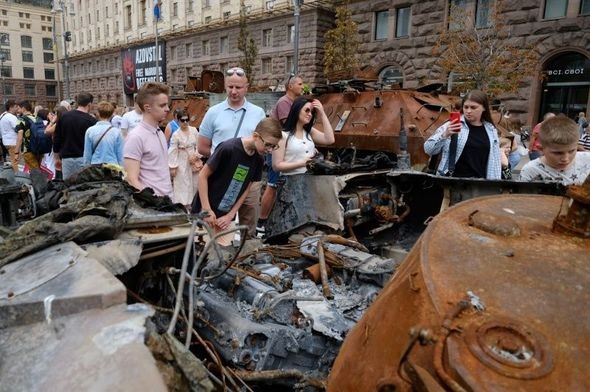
x=225, y=179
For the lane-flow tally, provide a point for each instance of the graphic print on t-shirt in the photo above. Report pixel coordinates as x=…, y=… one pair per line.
x=233, y=190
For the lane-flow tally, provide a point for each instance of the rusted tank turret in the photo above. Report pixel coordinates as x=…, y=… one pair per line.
x=493, y=296
x=370, y=120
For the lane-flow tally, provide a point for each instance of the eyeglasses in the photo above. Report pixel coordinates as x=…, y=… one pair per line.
x=184, y=120
x=308, y=110
x=236, y=70
x=269, y=146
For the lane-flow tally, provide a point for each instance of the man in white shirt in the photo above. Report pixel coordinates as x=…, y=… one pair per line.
x=131, y=119
x=8, y=122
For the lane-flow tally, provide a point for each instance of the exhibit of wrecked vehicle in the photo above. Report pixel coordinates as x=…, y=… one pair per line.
x=374, y=274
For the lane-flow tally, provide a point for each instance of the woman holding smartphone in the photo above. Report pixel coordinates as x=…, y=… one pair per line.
x=477, y=153
x=299, y=138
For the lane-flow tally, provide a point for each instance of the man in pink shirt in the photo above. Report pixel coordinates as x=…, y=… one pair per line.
x=146, y=150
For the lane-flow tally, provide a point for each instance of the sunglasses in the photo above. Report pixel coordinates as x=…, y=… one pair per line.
x=184, y=120
x=291, y=76
x=269, y=146
x=308, y=110
x=236, y=70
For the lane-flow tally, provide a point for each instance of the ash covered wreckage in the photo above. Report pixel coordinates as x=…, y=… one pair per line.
x=374, y=276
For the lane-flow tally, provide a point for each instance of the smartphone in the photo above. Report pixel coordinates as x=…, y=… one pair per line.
x=455, y=117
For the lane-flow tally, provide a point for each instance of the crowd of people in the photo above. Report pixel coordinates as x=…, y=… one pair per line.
x=473, y=148
x=218, y=168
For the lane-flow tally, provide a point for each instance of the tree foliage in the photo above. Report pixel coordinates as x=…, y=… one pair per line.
x=247, y=46
x=483, y=58
x=342, y=44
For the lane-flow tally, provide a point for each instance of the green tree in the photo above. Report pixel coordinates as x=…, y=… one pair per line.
x=342, y=44
x=484, y=58
x=246, y=45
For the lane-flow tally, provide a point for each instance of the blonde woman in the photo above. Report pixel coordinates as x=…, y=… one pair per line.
x=184, y=160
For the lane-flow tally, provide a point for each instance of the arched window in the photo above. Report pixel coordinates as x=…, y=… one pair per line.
x=391, y=75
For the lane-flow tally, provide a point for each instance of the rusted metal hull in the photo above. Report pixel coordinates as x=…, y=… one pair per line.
x=373, y=119
x=423, y=333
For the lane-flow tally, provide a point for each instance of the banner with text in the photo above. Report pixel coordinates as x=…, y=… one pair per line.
x=139, y=65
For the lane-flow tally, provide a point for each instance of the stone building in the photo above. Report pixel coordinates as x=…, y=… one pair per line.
x=397, y=38
x=194, y=36
x=27, y=66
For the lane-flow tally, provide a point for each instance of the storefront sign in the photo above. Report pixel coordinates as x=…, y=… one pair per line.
x=140, y=65
x=571, y=68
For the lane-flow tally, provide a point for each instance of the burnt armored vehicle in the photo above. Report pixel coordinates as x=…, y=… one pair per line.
x=492, y=297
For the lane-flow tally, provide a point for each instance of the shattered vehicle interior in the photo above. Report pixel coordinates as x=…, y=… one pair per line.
x=260, y=315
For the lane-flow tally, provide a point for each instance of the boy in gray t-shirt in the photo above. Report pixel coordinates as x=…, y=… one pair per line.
x=560, y=161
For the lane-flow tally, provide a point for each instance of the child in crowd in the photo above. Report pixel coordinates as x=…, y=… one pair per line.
x=505, y=150
x=584, y=142
x=559, y=141
x=224, y=181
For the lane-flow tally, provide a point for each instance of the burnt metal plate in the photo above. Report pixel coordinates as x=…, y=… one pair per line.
x=34, y=270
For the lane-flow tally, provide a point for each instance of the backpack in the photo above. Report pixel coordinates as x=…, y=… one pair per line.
x=40, y=142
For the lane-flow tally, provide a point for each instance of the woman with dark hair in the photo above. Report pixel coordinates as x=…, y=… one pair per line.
x=300, y=136
x=184, y=160
x=477, y=152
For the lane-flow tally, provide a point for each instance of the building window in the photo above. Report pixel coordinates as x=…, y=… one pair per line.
x=266, y=38
x=290, y=34
x=190, y=6
x=47, y=44
x=116, y=29
x=6, y=71
x=8, y=89
x=5, y=54
x=107, y=30
x=49, y=74
x=26, y=41
x=224, y=45
x=50, y=90
x=188, y=50
x=402, y=22
x=453, y=23
x=266, y=65
x=43, y=18
x=206, y=48
x=127, y=16
x=142, y=13
x=207, y=19
x=381, y=25
x=206, y=3
x=28, y=56
x=289, y=64
x=172, y=52
x=47, y=57
x=391, y=76
x=555, y=9
x=175, y=10
x=30, y=89
x=106, y=12
x=483, y=13
x=585, y=7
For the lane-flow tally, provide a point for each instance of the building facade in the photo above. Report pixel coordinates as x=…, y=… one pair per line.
x=397, y=40
x=196, y=36
x=28, y=66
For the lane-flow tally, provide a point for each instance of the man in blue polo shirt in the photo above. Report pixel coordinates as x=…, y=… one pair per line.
x=234, y=117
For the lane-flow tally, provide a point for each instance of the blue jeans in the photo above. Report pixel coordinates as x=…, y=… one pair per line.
x=71, y=166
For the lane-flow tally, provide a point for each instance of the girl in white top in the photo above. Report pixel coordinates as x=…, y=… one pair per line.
x=300, y=137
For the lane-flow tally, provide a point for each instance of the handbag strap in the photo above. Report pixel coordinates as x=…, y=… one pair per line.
x=99, y=140
x=240, y=123
x=452, y=154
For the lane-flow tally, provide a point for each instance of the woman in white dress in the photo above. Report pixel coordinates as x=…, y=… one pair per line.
x=184, y=160
x=300, y=137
